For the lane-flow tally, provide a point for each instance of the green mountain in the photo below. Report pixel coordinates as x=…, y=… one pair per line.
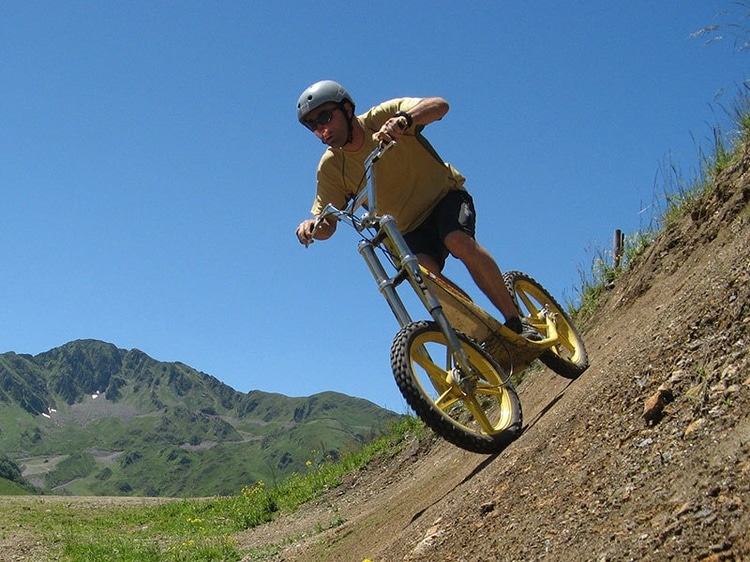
x=88, y=418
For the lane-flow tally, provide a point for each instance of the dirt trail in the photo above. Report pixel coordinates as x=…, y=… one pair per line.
x=590, y=478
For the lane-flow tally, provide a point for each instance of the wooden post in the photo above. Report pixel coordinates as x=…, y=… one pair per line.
x=619, y=242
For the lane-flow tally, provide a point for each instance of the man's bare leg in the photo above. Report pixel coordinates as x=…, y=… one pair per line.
x=483, y=269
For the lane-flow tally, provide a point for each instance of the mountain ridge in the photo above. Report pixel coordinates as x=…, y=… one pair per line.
x=119, y=422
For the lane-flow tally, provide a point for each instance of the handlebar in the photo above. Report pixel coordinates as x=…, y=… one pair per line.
x=366, y=195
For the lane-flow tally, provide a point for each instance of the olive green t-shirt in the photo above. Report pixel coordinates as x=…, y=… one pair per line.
x=411, y=177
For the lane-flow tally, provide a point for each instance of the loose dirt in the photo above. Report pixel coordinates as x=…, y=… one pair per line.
x=593, y=476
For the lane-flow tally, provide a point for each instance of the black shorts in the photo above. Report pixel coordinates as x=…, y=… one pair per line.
x=453, y=212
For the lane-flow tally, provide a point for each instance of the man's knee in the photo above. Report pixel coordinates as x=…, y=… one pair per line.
x=460, y=244
x=429, y=263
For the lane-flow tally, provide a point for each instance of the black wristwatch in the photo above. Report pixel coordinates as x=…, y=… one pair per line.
x=409, y=120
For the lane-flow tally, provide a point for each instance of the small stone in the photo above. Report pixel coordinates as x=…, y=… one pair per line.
x=676, y=376
x=731, y=389
x=653, y=409
x=694, y=426
x=683, y=509
x=729, y=371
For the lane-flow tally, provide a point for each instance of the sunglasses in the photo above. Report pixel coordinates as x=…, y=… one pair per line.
x=323, y=118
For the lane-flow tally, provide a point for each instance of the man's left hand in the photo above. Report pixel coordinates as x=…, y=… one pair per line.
x=392, y=130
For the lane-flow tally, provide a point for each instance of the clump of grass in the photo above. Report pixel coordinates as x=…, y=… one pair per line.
x=605, y=269
x=679, y=196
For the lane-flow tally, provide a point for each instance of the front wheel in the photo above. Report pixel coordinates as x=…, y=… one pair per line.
x=482, y=413
x=567, y=358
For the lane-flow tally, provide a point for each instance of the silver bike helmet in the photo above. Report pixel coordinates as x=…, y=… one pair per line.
x=320, y=93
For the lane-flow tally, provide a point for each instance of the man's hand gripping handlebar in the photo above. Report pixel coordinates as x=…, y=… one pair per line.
x=307, y=231
x=323, y=225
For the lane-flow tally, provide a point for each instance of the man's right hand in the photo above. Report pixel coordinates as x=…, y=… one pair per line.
x=325, y=230
x=305, y=232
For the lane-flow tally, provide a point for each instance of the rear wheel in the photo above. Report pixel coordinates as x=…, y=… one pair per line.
x=568, y=358
x=482, y=414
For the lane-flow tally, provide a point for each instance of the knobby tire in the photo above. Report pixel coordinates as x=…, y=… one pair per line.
x=484, y=419
x=567, y=358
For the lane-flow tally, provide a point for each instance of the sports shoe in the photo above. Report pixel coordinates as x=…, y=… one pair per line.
x=523, y=328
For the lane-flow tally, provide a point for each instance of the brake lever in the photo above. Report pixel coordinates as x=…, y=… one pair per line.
x=328, y=210
x=316, y=224
x=383, y=146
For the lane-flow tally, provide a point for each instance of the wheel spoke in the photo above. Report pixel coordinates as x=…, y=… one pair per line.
x=486, y=389
x=479, y=414
x=566, y=343
x=530, y=304
x=438, y=376
x=446, y=400
x=535, y=301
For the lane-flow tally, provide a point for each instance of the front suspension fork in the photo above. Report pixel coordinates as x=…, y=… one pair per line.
x=409, y=269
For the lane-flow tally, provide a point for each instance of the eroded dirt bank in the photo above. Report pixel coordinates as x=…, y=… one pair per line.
x=590, y=478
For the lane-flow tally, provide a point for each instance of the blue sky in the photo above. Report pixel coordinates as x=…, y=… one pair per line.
x=153, y=173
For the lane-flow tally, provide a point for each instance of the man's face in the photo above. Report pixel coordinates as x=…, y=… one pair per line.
x=328, y=122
